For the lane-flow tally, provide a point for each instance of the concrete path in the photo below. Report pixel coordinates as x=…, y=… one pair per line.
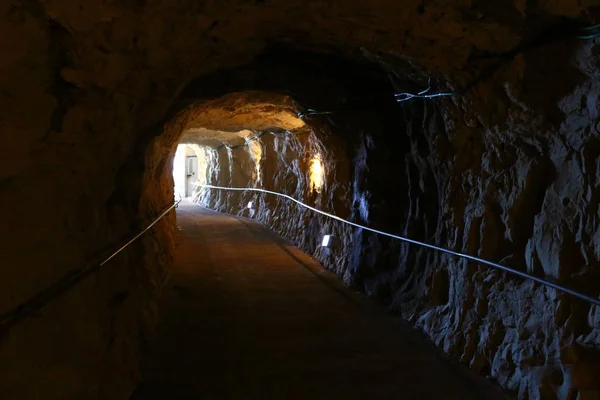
x=248, y=316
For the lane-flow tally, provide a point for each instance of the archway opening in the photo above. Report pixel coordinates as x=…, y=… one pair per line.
x=190, y=168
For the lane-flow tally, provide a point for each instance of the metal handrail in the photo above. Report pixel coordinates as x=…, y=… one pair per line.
x=521, y=274
x=37, y=302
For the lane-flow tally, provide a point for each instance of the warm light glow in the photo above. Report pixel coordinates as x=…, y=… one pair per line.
x=317, y=174
x=255, y=150
x=203, y=154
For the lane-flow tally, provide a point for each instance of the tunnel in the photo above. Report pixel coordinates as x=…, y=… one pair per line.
x=303, y=199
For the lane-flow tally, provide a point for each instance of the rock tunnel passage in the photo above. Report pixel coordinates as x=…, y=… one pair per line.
x=301, y=97
x=249, y=316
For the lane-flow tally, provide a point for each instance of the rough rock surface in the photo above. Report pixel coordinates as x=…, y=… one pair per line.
x=518, y=333
x=507, y=170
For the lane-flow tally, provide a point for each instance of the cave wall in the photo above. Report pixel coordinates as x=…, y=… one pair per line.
x=416, y=172
x=388, y=183
x=285, y=168
x=520, y=192
x=87, y=85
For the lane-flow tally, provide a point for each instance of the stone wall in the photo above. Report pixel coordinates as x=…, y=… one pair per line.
x=86, y=87
x=417, y=182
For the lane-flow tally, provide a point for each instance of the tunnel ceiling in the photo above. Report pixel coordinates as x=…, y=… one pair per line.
x=283, y=89
x=215, y=138
x=142, y=54
x=231, y=119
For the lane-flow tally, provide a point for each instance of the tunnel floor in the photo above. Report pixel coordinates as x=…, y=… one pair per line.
x=248, y=316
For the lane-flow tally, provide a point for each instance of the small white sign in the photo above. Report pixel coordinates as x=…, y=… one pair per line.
x=250, y=205
x=326, y=241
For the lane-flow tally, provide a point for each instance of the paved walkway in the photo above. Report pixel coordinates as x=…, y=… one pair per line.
x=248, y=316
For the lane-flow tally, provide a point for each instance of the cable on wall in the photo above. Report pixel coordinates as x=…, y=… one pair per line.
x=36, y=303
x=521, y=274
x=424, y=94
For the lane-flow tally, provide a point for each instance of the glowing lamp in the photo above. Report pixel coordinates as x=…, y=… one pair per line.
x=316, y=174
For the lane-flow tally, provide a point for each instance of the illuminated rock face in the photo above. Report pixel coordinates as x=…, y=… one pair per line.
x=401, y=169
x=90, y=92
